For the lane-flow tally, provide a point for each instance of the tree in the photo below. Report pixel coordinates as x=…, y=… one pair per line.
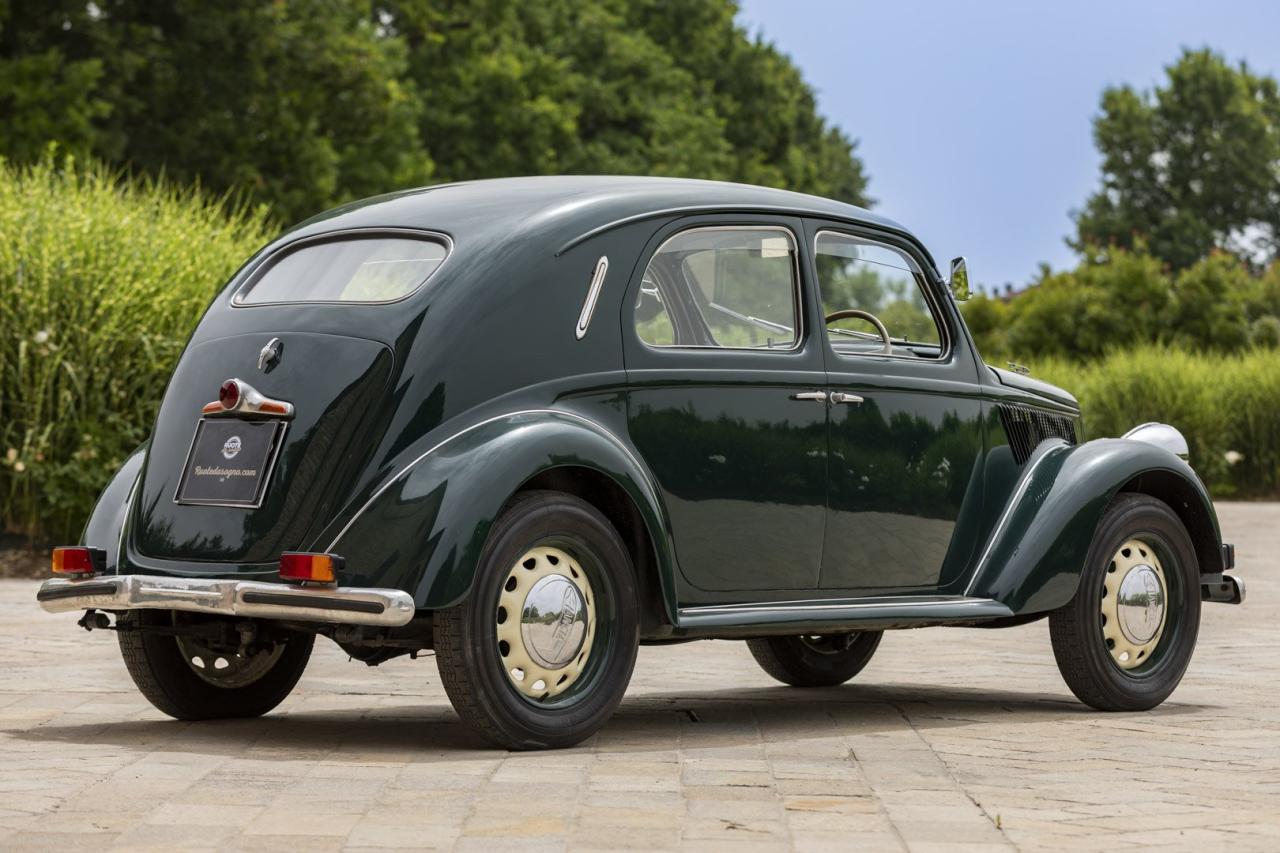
x=305, y=103
x=1190, y=167
x=298, y=104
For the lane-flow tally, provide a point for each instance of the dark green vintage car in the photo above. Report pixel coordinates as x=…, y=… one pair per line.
x=530, y=424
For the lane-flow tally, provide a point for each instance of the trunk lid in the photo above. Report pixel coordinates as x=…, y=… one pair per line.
x=337, y=385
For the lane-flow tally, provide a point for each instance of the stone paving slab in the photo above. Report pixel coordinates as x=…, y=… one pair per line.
x=951, y=740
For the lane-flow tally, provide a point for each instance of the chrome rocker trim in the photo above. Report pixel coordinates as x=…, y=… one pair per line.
x=933, y=609
x=253, y=599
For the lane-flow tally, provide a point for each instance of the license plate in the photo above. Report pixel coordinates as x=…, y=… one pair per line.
x=230, y=462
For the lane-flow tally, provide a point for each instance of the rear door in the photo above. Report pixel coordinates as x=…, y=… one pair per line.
x=726, y=400
x=906, y=417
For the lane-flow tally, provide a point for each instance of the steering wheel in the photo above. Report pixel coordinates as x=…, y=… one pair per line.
x=863, y=315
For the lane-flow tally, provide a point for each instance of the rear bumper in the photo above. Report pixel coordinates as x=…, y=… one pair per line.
x=250, y=599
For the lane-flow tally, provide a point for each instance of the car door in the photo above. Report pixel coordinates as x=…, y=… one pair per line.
x=726, y=402
x=906, y=439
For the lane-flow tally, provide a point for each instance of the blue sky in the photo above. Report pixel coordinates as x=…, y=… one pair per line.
x=974, y=119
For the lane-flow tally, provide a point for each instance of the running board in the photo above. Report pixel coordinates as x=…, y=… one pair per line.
x=881, y=612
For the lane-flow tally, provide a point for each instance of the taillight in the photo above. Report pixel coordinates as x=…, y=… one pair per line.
x=229, y=394
x=78, y=561
x=309, y=568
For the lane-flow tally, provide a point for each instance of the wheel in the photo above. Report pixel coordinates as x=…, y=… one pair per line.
x=1124, y=641
x=815, y=661
x=195, y=677
x=539, y=654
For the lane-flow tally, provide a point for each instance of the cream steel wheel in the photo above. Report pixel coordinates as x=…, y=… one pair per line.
x=539, y=653
x=1125, y=639
x=545, y=622
x=1133, y=603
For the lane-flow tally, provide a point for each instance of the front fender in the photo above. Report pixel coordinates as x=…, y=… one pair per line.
x=1037, y=550
x=423, y=532
x=105, y=528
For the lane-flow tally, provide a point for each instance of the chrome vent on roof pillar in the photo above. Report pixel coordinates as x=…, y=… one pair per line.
x=1026, y=428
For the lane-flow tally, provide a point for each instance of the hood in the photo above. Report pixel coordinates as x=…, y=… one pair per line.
x=1038, y=387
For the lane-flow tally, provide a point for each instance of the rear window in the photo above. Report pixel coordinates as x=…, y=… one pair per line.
x=355, y=269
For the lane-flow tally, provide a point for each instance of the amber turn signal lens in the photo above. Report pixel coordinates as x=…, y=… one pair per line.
x=78, y=561
x=309, y=568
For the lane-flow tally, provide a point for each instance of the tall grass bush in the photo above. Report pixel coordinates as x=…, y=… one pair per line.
x=102, y=280
x=1228, y=407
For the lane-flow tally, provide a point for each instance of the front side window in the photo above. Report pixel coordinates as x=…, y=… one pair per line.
x=353, y=269
x=721, y=287
x=881, y=281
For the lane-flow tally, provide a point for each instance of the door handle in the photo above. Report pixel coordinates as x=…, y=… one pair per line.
x=814, y=396
x=841, y=397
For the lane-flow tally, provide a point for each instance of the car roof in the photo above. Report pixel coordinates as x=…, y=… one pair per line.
x=564, y=209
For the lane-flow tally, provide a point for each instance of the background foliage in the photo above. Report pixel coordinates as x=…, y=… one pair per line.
x=101, y=283
x=290, y=106
x=1190, y=167
x=306, y=103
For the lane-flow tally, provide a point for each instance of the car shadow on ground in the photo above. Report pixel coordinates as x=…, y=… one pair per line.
x=644, y=722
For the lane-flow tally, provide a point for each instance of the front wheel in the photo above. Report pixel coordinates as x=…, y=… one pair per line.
x=539, y=654
x=815, y=660
x=191, y=672
x=1125, y=640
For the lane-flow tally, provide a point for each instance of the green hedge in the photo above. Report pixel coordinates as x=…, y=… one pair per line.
x=1228, y=407
x=101, y=282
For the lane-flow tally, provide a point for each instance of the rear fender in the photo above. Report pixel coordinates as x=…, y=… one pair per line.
x=423, y=532
x=1033, y=559
x=105, y=528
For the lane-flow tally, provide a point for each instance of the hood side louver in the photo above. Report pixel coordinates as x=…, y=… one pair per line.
x=1026, y=428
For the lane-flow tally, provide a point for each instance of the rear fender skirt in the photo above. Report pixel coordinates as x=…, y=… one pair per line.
x=1033, y=559
x=446, y=501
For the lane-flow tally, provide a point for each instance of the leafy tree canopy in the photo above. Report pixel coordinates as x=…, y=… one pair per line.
x=305, y=103
x=1190, y=167
x=1217, y=304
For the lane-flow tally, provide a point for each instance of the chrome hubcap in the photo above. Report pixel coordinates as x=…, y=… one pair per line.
x=1134, y=604
x=545, y=622
x=553, y=623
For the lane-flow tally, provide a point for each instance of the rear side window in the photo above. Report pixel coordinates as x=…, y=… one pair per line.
x=733, y=288
x=352, y=269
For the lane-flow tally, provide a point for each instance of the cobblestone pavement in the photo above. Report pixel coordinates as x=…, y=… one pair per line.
x=952, y=739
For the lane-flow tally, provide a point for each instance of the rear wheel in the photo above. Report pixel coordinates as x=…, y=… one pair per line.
x=1125, y=640
x=815, y=660
x=539, y=654
x=190, y=675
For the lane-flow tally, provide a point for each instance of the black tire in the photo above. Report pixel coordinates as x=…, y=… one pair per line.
x=815, y=661
x=467, y=647
x=1076, y=629
x=163, y=674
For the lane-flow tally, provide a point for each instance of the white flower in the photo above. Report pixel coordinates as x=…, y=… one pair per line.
x=41, y=337
x=1233, y=456
x=19, y=467
x=11, y=456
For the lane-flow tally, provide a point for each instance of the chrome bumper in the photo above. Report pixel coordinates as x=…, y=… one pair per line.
x=1223, y=588
x=342, y=605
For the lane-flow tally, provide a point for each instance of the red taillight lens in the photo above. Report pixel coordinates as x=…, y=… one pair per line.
x=229, y=394
x=78, y=561
x=311, y=568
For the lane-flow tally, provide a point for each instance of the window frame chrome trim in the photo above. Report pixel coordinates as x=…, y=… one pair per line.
x=946, y=346
x=593, y=295
x=797, y=287
x=265, y=263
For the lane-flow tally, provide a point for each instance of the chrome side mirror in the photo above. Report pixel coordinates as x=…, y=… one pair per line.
x=959, y=282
